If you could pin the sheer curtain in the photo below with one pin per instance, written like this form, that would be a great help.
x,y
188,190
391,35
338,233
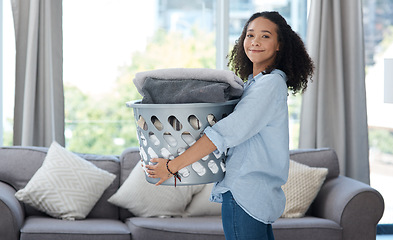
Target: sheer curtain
x,y
334,106
39,98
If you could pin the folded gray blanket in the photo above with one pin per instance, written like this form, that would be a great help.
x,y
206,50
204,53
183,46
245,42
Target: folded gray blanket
x,y
188,85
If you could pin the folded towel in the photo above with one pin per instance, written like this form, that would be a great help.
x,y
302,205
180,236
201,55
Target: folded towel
x,y
188,85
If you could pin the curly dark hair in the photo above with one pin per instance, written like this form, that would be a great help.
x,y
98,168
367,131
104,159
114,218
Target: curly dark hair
x,y
292,58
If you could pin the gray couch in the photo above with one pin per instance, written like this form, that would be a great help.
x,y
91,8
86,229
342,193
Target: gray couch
x,y
343,209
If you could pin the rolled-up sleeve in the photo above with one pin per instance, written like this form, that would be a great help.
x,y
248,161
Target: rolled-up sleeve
x,y
217,140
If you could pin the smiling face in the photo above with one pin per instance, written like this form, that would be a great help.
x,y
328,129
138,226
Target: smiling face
x,y
261,44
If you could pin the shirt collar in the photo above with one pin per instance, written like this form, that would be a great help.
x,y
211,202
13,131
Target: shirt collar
x,y
252,79
249,81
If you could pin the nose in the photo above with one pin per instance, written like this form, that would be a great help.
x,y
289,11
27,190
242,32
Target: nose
x,y
255,42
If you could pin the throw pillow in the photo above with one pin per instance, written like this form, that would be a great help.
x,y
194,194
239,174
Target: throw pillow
x,y
65,186
200,204
144,199
302,187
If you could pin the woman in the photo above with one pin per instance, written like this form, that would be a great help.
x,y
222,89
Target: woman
x,y
255,136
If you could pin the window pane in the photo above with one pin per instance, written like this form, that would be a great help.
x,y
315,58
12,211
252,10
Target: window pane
x,y
8,73
378,37
106,43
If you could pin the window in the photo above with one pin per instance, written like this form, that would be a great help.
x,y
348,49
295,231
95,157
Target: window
x,y
378,37
8,77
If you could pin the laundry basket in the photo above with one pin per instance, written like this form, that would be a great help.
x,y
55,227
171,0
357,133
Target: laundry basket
x,y
167,130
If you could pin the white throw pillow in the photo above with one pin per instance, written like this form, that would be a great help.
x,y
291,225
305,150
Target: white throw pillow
x,y
302,187
65,186
144,199
200,204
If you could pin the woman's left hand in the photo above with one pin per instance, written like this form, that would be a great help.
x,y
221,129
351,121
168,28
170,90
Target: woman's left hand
x,y
158,170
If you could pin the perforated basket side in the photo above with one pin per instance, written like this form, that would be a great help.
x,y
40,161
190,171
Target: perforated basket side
x,y
167,130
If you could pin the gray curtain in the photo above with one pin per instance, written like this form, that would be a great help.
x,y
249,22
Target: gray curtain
x,y
334,106
39,97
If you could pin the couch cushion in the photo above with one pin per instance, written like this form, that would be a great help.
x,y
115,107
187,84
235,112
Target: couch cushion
x,y
200,204
46,228
66,185
147,200
321,158
307,228
110,163
206,228
18,164
128,159
302,187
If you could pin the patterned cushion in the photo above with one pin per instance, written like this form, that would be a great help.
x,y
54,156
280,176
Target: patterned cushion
x,y
200,204
301,188
65,186
144,199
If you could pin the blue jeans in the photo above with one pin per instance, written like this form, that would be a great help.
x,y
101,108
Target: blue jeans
x,y
238,225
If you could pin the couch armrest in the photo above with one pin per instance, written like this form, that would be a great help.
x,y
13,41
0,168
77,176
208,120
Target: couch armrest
x,y
12,214
355,206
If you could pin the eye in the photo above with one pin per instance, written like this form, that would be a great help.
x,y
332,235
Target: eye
x,y
249,35
265,36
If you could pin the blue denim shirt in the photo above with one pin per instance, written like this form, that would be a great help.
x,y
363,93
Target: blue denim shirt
x,y
256,136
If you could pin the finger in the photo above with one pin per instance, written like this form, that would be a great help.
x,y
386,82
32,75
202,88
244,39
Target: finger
x,y
154,160
151,167
161,181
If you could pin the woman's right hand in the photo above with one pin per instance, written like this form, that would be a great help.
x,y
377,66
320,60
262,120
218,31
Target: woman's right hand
x,y
158,170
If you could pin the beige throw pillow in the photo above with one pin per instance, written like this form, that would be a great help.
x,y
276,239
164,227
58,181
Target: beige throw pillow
x,y
65,186
144,199
302,187
200,204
